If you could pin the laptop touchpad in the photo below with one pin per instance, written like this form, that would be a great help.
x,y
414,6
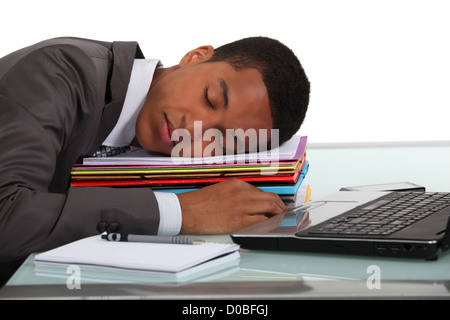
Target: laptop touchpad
x,y
329,210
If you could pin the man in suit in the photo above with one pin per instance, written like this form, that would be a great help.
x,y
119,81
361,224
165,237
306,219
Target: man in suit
x,y
61,99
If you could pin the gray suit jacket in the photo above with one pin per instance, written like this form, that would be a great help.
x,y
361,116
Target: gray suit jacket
x,y
59,99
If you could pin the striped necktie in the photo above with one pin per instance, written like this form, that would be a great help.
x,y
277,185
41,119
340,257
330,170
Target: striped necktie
x,y
107,151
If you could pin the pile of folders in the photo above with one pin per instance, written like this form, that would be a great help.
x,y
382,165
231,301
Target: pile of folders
x,y
281,170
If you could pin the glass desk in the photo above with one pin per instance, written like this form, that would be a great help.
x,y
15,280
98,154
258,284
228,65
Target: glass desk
x,y
284,275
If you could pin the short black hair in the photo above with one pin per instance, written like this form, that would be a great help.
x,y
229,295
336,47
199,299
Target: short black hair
x,y
287,85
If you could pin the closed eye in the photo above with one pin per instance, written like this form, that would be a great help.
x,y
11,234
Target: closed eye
x,y
208,102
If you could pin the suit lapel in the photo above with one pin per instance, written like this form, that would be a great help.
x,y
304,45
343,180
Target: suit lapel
x,y
123,55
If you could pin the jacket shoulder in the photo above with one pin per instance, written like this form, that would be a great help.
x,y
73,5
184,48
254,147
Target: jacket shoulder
x,y
93,47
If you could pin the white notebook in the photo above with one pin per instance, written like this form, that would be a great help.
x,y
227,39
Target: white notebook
x,y
175,259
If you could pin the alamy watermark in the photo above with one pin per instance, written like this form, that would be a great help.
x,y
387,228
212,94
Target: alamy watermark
x,y
74,279
235,146
374,280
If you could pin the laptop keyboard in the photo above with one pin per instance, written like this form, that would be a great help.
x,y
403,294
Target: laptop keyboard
x,y
387,215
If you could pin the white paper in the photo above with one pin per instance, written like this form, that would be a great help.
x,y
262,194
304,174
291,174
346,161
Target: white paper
x,y
139,156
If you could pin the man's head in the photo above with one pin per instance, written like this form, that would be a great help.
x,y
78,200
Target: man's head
x,y
286,82
254,83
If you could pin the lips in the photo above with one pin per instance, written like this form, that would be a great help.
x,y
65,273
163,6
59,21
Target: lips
x,y
171,127
166,130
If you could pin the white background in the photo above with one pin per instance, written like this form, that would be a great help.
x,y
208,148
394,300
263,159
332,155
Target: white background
x,y
380,70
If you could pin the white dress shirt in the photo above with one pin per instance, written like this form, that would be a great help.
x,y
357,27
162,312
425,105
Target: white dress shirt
x,y
124,132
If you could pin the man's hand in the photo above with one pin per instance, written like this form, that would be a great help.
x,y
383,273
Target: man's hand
x,y
226,207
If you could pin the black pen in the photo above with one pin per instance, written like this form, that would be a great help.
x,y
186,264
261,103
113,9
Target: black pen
x,y
150,239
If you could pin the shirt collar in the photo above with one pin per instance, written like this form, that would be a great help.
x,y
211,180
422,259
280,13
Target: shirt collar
x,y
141,77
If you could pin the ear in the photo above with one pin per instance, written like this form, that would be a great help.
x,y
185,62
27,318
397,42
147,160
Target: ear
x,y
198,55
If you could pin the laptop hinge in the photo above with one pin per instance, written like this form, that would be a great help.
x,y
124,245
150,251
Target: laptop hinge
x,y
446,240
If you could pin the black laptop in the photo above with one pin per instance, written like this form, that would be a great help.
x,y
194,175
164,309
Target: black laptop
x,y
387,224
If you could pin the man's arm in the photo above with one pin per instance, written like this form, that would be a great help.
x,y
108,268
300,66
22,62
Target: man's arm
x,y
46,107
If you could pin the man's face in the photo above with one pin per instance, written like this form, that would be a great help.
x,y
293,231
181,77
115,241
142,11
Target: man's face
x,y
213,93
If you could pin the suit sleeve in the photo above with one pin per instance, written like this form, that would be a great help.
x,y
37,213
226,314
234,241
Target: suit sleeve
x,y
38,113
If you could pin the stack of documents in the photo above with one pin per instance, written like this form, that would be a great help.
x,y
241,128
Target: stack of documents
x,y
281,170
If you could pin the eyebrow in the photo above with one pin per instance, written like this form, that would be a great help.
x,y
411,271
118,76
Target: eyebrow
x,y
224,89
